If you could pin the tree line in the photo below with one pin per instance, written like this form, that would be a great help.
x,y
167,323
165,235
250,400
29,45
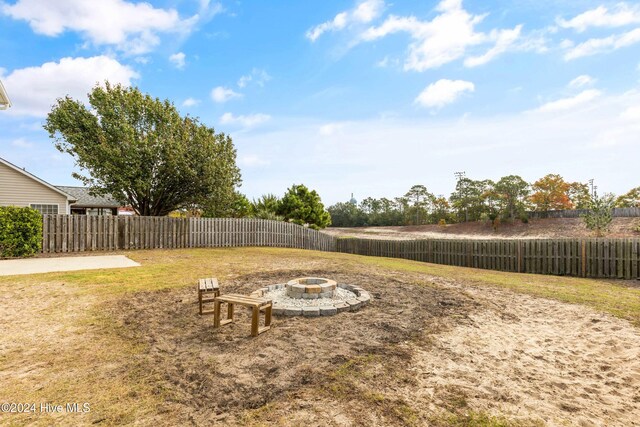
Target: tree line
x,y
509,198
142,152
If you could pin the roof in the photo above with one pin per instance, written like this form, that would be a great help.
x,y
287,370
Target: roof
x,y
86,200
5,102
69,197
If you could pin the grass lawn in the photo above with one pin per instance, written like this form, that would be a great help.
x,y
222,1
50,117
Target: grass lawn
x,y
130,343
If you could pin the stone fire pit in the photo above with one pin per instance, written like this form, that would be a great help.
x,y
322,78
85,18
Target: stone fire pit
x,y
311,288
313,296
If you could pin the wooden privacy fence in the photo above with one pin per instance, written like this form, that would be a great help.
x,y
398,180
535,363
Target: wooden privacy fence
x,y
79,233
603,258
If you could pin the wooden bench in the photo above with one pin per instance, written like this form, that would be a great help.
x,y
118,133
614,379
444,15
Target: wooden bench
x,y
207,287
256,305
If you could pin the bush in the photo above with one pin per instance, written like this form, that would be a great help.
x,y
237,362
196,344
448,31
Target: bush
x,y
598,218
20,231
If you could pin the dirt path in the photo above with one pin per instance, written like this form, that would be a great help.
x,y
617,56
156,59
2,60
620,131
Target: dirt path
x,y
532,358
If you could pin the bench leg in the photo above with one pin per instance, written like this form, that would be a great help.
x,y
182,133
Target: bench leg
x,y
229,311
200,301
267,315
254,321
216,314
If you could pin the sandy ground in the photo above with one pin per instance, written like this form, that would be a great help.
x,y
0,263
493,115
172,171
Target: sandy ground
x,y
532,360
551,228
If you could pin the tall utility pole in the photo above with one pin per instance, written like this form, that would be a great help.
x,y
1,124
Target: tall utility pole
x,y
593,188
459,176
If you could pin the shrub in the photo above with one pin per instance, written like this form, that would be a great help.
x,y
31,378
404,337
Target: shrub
x,y
20,231
598,218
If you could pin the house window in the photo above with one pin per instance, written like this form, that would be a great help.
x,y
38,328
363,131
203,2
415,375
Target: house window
x,y
45,209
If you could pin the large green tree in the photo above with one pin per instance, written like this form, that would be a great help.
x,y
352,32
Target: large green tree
x,y
143,152
303,206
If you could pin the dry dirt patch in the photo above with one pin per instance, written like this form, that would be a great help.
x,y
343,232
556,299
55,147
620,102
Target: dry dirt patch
x,y
419,355
537,359
217,375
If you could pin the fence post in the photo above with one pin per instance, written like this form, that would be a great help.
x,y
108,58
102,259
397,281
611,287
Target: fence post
x,y
583,258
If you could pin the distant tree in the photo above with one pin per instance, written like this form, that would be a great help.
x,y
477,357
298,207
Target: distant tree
x,y
579,195
301,206
599,217
440,210
371,208
239,207
471,199
420,200
630,199
512,192
551,192
346,214
142,152
266,207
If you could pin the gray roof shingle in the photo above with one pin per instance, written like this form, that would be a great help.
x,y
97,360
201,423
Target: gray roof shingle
x,y
86,200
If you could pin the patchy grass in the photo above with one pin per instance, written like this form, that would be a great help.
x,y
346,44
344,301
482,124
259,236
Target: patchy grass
x,y
77,337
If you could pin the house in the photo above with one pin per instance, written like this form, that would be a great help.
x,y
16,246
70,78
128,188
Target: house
x,y
20,188
86,204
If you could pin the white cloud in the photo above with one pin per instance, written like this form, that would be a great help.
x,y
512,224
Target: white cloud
x,y
571,102
252,160
130,27
222,94
445,38
34,90
485,146
257,76
631,114
330,129
177,59
622,15
190,102
364,12
443,92
504,40
602,45
247,121
21,143
582,80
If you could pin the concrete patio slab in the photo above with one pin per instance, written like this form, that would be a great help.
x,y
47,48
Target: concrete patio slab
x,y
48,265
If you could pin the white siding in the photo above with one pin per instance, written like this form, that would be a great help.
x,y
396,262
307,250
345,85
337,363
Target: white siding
x,y
17,189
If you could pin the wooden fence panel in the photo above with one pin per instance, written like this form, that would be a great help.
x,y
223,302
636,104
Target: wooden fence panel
x,y
604,258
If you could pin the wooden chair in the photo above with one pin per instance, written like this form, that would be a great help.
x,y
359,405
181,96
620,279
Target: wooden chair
x,y
207,287
256,304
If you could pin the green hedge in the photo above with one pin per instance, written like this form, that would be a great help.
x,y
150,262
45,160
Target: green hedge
x,y
20,231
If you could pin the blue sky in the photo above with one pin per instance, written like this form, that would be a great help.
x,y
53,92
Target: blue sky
x,y
366,97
